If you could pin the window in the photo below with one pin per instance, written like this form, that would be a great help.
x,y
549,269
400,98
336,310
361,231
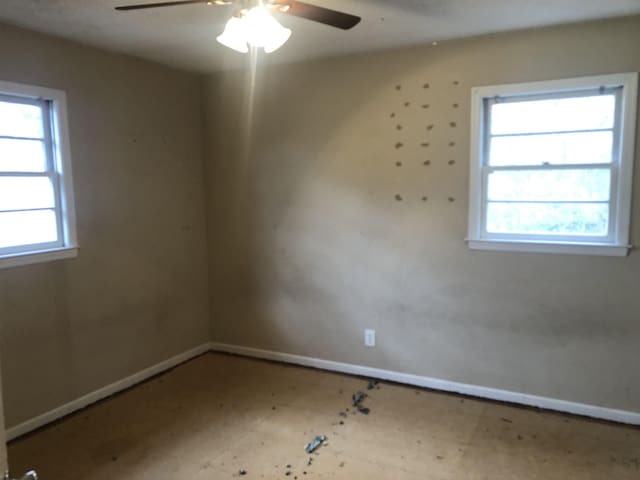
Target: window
x,y
37,218
551,165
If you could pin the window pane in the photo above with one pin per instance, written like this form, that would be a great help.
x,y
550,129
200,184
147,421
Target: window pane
x,y
23,193
548,219
27,228
20,120
555,149
550,185
553,115
22,156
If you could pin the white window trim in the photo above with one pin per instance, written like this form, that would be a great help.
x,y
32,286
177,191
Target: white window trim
x,y
62,154
619,244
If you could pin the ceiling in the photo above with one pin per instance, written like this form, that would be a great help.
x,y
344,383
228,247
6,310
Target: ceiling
x,y
184,36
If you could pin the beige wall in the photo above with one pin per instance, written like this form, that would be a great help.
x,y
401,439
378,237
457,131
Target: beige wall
x,y
136,294
309,245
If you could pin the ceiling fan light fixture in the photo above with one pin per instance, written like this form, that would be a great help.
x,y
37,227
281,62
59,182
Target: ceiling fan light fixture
x,y
234,35
262,30
277,39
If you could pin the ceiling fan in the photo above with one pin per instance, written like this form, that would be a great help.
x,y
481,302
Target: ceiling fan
x,y
252,24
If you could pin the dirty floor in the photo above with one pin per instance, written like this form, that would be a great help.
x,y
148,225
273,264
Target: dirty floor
x,y
219,414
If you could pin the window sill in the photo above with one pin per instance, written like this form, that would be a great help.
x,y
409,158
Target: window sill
x,y
545,247
28,258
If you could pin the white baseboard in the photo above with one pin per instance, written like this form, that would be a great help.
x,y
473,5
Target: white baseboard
x,y
602,413
104,392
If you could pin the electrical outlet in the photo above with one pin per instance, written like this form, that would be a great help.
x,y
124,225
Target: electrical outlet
x,y
370,337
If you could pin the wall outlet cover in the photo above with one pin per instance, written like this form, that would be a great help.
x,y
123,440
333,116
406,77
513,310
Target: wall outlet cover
x,y
370,337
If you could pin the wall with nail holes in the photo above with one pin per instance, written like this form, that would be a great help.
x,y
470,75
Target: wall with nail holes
x,y
343,206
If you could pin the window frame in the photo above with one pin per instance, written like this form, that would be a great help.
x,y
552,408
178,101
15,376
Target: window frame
x,y
58,161
616,243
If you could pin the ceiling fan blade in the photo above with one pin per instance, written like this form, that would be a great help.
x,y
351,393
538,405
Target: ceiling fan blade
x,y
327,16
161,4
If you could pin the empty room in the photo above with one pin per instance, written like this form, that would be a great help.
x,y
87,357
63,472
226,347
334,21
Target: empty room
x,y
330,239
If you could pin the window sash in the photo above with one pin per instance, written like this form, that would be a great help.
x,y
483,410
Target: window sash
x,y
51,172
612,202
489,102
613,166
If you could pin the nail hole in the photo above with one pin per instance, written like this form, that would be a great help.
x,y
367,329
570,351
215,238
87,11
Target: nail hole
x,y
429,127
426,105
398,127
427,162
425,144
456,82
398,87
425,198
455,105
398,164
451,144
406,104
426,85
399,145
451,162
451,199
453,124
398,198
392,115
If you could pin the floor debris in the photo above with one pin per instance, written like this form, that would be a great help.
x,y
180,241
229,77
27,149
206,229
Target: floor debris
x,y
242,472
314,444
357,399
372,384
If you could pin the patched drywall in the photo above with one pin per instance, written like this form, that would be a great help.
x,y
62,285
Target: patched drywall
x,y
136,294
340,204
